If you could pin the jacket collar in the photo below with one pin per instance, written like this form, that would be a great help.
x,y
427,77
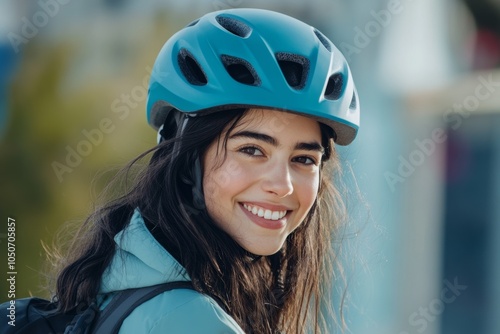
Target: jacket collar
x,y
139,260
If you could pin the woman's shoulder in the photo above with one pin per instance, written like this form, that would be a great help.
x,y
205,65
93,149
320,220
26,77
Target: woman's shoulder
x,y
179,311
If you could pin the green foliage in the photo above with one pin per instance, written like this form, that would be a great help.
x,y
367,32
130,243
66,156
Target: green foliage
x,y
50,106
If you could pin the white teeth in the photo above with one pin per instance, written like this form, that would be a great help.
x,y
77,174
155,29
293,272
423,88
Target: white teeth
x,y
260,213
266,214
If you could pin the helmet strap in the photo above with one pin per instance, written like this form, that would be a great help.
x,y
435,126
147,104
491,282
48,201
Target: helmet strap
x,y
170,127
197,189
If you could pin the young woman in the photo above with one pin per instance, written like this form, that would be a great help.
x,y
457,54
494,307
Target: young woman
x,y
237,197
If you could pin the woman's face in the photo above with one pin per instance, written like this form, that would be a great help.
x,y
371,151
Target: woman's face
x,y
262,185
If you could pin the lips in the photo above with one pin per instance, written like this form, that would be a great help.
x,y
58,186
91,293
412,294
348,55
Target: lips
x,y
277,215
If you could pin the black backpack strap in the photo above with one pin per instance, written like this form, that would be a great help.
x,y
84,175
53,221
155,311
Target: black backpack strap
x,y
120,307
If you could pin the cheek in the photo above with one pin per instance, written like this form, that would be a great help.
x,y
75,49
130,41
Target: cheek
x,y
223,183
212,192
222,180
307,191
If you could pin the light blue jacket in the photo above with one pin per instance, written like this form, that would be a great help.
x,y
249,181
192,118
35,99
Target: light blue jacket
x,y
141,261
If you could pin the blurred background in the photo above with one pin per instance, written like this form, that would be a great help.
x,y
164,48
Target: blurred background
x,y
422,250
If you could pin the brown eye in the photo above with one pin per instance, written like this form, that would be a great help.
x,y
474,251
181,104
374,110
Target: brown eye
x,y
305,160
251,150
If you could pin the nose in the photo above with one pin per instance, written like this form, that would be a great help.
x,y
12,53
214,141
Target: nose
x,y
278,179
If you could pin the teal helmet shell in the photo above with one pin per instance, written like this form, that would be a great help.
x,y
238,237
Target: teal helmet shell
x,y
254,58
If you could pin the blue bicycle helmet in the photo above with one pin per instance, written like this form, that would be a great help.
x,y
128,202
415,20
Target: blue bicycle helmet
x,y
254,58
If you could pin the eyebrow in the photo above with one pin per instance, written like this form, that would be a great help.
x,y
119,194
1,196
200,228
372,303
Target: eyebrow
x,y
307,146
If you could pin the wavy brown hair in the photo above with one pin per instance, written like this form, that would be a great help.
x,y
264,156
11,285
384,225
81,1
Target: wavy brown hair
x,y
291,283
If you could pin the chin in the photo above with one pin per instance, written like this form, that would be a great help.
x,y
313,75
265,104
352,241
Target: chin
x,y
263,250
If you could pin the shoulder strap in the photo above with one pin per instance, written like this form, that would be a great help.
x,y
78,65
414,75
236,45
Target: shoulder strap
x,y
112,317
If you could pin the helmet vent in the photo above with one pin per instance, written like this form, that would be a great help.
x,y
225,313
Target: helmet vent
x,y
323,40
295,69
240,70
234,26
191,69
354,101
334,87
193,23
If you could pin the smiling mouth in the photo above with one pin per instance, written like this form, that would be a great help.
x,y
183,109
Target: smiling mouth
x,y
265,213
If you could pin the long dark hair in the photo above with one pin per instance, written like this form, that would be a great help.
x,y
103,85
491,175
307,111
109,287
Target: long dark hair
x,y
264,294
